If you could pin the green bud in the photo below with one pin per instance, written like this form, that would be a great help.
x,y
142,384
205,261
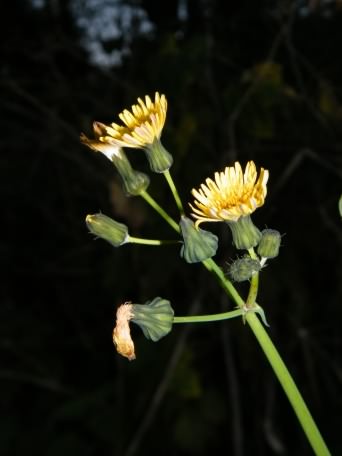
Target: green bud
x,y
155,318
134,182
269,244
199,245
245,234
159,158
108,229
243,269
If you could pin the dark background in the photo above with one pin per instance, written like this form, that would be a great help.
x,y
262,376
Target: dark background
x,y
245,81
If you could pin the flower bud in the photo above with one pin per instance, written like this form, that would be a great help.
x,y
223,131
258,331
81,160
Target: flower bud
x,y
199,245
108,229
160,160
134,182
243,268
269,243
245,234
155,318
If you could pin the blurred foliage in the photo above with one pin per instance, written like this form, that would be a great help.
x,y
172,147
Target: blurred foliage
x,y
244,80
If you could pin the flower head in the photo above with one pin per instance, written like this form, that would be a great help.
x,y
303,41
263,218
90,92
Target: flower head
x,y
134,182
99,144
122,333
142,126
155,318
142,129
232,195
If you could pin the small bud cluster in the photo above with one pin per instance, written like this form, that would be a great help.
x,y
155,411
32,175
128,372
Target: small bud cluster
x,y
244,268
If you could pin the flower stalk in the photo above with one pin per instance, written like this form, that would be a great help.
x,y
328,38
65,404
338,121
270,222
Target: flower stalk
x,y
174,191
294,396
289,386
231,197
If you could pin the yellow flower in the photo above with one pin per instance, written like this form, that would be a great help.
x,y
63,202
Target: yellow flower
x,y
100,144
142,126
142,129
232,195
134,182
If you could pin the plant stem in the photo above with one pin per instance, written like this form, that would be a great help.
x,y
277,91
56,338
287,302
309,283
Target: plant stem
x,y
296,400
135,240
211,317
224,282
160,210
174,191
254,285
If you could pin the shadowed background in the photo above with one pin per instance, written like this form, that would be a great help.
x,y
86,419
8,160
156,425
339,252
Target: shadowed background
x,y
249,81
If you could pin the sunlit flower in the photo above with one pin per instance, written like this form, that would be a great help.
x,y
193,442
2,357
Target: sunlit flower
x,y
142,129
142,126
99,144
122,333
232,195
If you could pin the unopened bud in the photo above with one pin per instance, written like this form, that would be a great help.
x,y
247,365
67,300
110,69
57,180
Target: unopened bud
x,y
199,245
243,269
269,243
108,229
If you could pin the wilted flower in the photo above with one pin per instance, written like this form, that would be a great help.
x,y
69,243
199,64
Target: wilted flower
x,y
122,333
155,318
232,195
134,182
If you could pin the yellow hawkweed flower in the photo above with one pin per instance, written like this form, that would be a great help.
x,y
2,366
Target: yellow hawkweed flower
x,y
142,129
232,195
142,126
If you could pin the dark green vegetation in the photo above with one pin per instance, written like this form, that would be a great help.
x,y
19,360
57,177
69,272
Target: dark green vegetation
x,y
245,81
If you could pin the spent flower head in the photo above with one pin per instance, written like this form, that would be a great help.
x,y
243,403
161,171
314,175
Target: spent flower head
x,y
155,318
122,334
233,194
134,182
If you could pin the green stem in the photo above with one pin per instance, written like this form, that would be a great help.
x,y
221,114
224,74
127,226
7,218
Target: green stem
x,y
296,400
160,210
212,317
254,285
277,364
224,282
174,191
135,240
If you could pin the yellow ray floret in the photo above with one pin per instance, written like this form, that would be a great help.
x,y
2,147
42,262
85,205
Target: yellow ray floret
x,y
141,127
231,195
